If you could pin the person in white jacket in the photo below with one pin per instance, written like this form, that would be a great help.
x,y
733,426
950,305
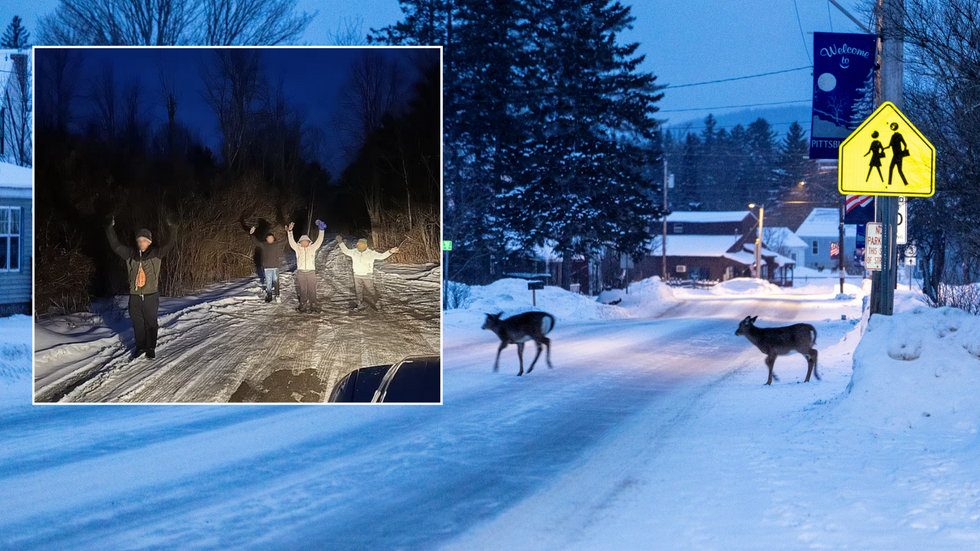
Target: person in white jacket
x,y
306,266
363,259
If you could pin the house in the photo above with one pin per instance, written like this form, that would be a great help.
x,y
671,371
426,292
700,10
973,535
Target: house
x,y
819,231
15,239
712,246
783,241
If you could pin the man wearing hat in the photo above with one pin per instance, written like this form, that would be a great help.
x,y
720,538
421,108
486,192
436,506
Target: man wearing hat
x,y
271,259
363,259
143,265
306,266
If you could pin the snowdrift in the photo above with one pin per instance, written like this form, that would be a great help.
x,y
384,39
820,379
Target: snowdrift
x,y
745,286
15,349
511,296
919,372
647,298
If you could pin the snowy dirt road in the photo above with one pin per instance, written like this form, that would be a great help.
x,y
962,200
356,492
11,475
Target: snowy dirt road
x,y
657,426
229,345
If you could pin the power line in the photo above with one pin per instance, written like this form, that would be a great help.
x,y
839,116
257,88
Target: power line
x,y
737,78
802,34
830,17
733,106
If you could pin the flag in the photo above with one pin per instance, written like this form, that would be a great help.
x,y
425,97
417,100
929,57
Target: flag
x,y
859,209
834,249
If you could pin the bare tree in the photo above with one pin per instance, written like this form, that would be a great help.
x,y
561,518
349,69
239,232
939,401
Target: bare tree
x,y
103,95
374,89
58,72
19,106
172,22
233,89
350,32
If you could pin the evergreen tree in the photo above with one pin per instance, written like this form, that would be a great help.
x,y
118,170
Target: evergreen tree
x,y
793,152
862,108
16,36
762,160
688,181
591,128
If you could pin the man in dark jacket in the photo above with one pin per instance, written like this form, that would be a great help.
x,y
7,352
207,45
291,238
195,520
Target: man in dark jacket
x,y
271,259
143,265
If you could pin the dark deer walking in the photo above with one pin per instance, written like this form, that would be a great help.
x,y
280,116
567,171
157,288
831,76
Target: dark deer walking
x,y
779,341
518,330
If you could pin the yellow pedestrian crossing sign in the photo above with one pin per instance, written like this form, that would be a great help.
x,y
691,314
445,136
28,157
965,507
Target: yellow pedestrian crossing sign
x,y
887,155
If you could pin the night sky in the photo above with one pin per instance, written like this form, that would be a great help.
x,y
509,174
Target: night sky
x,y
312,80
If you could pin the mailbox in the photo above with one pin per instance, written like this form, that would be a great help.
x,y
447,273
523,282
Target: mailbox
x,y
535,285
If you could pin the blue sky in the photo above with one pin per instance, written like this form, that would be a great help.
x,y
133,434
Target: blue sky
x,y
685,41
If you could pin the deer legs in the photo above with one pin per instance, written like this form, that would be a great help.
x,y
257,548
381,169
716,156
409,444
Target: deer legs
x,y
520,358
811,364
770,361
496,363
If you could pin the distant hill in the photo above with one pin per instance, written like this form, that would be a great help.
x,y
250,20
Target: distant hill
x,y
779,117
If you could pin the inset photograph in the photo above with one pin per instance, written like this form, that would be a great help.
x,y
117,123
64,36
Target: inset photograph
x,y
221,225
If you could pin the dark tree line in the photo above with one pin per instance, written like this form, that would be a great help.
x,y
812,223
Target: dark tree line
x,y
550,133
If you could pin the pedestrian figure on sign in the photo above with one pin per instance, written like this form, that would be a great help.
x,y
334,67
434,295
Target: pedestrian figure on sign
x,y
899,151
362,260
143,266
877,152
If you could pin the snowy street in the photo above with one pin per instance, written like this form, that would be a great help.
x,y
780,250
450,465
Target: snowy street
x,y
647,431
227,344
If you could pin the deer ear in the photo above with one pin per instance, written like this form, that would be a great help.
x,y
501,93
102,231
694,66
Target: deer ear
x,y
753,319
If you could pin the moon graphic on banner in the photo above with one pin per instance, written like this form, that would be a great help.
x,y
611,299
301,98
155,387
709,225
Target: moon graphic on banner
x,y
827,82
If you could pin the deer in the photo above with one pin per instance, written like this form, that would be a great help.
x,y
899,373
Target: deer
x,y
779,341
518,330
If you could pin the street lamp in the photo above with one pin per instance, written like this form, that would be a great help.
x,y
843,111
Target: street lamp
x,y
758,243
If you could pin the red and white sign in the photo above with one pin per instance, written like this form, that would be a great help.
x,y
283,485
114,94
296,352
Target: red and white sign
x,y
872,250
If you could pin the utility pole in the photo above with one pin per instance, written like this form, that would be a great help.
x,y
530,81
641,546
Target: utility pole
x,y
891,15
663,244
758,243
840,245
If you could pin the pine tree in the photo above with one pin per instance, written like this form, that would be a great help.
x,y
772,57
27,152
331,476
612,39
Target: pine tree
x,y
762,163
862,108
16,36
592,128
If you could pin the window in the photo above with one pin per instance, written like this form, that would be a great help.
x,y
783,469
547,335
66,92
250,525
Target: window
x,y
816,247
793,255
678,228
10,239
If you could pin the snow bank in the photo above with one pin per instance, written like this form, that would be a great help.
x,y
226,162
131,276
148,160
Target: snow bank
x,y
919,372
647,298
15,349
511,296
745,286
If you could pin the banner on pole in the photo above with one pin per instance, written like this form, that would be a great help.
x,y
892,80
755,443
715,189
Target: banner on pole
x,y
843,89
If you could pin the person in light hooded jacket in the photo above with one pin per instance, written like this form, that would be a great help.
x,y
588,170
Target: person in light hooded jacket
x,y
362,259
306,250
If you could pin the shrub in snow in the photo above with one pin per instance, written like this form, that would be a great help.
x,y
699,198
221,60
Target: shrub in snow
x,y
964,297
456,294
647,298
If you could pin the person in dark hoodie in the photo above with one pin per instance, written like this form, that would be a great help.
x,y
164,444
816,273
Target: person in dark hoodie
x,y
143,265
271,259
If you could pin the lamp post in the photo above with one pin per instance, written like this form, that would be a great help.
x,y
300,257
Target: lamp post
x,y
758,243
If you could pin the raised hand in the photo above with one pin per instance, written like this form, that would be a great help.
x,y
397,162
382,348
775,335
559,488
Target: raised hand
x,y
290,226
111,219
339,238
320,224
394,250
251,231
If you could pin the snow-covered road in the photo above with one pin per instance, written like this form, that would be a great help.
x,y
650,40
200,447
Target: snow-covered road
x,y
229,345
648,432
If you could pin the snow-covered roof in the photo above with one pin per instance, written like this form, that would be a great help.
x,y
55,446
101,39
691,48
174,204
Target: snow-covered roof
x,y
782,237
704,217
15,176
741,257
696,245
822,222
779,259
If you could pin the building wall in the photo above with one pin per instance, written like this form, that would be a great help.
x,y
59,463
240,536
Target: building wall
x,y
706,267
822,258
15,287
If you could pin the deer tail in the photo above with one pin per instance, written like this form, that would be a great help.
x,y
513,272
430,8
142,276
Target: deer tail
x,y
547,324
813,330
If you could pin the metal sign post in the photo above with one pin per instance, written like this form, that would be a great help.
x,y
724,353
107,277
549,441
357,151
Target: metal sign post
x,y
533,286
446,247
